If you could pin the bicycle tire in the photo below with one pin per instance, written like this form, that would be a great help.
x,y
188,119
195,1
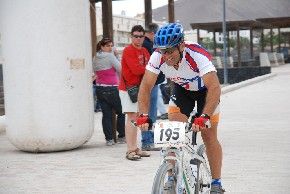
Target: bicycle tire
x,y
157,187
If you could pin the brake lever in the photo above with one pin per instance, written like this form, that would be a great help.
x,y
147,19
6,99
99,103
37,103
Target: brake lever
x,y
191,118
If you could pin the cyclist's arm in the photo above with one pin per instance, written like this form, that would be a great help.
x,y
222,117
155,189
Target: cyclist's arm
x,y
146,86
212,84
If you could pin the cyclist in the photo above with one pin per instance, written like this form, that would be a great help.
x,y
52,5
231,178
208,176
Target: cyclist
x,y
195,79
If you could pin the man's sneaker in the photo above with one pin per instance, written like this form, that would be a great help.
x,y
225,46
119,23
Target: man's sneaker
x,y
110,142
121,140
216,189
150,148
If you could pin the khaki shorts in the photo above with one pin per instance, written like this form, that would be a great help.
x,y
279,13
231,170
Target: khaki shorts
x,y
127,105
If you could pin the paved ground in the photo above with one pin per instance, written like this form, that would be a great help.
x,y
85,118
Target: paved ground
x,y
254,132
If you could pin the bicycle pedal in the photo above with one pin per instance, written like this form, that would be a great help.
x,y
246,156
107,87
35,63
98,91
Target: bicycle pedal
x,y
194,161
205,185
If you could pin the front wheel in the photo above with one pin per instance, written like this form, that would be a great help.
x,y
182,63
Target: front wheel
x,y
161,177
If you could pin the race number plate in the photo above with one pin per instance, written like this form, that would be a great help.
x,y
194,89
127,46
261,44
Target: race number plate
x,y
169,134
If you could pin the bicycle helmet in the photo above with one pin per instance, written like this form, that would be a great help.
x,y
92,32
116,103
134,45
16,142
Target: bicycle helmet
x,y
168,36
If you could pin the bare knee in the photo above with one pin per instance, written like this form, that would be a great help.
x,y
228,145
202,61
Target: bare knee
x,y
209,136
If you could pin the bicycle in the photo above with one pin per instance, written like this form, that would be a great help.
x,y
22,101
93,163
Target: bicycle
x,y
190,167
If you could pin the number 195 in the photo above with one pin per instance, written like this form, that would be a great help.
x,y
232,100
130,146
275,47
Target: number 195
x,y
169,133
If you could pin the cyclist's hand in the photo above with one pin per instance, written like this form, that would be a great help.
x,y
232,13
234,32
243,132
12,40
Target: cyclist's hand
x,y
143,122
201,123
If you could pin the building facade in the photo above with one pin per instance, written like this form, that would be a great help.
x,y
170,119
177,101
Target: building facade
x,y
122,25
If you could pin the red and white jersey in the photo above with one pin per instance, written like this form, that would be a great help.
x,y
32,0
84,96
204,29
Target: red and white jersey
x,y
196,62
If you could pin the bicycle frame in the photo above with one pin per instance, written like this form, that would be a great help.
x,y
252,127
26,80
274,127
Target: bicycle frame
x,y
186,179
179,159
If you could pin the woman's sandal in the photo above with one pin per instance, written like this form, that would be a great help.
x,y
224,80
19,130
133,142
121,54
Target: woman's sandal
x,y
132,155
142,153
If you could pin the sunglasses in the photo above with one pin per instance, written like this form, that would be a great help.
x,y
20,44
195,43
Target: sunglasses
x,y
138,36
168,50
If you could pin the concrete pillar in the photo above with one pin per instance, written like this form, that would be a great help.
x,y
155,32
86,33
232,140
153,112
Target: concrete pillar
x,y
264,59
46,46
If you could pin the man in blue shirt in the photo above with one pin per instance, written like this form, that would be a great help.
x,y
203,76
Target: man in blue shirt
x,y
147,136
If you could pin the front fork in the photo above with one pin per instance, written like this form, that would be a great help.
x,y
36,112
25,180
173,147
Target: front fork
x,y
173,157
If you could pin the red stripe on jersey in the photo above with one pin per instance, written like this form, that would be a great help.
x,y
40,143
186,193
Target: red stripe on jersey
x,y
162,59
200,50
191,61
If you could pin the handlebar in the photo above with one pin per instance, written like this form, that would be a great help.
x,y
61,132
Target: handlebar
x,y
191,118
188,127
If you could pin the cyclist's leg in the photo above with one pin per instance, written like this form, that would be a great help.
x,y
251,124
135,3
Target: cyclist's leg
x,y
214,155
213,150
209,136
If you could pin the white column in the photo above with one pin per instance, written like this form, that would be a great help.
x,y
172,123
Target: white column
x,y
47,73
264,59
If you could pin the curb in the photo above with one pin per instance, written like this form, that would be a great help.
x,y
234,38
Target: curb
x,y
232,87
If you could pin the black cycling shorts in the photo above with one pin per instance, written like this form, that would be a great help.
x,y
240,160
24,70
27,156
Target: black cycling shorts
x,y
185,99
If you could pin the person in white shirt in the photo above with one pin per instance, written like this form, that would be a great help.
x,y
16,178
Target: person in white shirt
x,y
195,79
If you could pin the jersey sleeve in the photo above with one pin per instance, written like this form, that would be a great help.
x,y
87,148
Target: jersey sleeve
x,y
204,64
154,63
116,63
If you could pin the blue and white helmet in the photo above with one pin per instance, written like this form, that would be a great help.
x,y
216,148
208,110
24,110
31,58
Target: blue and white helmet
x,y
168,36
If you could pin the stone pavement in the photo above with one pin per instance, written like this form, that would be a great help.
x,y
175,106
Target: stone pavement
x,y
254,132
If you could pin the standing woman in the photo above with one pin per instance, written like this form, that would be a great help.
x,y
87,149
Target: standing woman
x,y
107,69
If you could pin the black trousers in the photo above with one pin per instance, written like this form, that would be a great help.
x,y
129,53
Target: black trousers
x,y
110,100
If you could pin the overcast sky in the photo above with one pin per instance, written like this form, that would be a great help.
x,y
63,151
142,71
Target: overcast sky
x,y
133,7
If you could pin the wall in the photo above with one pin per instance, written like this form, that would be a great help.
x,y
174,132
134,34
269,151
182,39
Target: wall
x,y
238,74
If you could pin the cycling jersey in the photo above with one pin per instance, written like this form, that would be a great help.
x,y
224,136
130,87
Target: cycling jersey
x,y
196,62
